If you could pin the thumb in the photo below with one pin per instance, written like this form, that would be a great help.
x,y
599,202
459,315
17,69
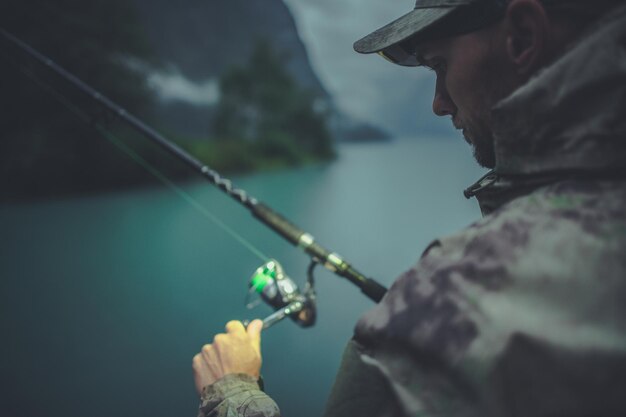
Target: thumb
x,y
254,332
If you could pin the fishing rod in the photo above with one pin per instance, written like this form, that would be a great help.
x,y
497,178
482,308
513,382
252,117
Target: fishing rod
x,y
269,281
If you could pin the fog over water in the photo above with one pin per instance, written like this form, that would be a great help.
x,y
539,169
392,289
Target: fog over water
x,y
366,86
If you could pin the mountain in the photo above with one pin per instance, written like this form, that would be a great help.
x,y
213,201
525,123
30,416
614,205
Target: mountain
x,y
203,38
196,41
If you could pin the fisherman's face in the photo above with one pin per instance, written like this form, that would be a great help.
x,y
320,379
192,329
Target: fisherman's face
x,y
471,78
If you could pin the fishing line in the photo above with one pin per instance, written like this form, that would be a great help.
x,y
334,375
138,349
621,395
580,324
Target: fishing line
x,y
120,145
332,261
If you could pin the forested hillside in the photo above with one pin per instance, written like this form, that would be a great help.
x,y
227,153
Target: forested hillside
x,y
269,110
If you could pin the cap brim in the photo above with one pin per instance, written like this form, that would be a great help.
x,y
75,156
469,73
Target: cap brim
x,y
411,24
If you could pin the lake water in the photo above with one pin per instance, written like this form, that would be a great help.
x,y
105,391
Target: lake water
x,y
104,300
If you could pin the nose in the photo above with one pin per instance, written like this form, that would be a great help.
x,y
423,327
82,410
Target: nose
x,y
442,103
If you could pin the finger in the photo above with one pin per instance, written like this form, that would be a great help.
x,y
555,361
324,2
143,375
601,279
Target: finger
x,y
254,332
211,360
235,326
201,374
197,362
208,353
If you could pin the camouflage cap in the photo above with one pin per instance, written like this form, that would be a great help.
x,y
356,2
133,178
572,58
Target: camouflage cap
x,y
429,19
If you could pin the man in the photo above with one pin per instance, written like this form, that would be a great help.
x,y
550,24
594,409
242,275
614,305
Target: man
x,y
523,313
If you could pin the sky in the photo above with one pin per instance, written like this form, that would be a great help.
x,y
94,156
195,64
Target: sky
x,y
365,86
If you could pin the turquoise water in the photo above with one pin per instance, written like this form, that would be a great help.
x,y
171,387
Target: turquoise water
x,y
104,300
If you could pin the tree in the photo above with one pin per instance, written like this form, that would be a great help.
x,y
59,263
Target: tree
x,y
263,105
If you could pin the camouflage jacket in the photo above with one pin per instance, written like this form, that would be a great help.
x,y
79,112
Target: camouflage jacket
x,y
524,312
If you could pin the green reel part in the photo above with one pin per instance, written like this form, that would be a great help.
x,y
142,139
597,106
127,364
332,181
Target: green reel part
x,y
282,294
264,275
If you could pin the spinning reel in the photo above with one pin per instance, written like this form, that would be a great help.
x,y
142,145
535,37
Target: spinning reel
x,y
281,292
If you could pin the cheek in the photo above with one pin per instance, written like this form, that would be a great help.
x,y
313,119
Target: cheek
x,y
463,91
467,79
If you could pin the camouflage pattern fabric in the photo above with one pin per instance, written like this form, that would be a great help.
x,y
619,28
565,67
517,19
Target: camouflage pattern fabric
x,y
524,312
236,395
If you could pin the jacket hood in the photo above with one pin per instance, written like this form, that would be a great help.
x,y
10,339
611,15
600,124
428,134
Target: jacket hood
x,y
572,115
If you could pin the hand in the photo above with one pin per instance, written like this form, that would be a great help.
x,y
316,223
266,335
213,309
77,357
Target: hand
x,y
238,351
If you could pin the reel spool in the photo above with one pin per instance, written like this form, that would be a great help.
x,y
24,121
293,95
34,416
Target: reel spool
x,y
281,292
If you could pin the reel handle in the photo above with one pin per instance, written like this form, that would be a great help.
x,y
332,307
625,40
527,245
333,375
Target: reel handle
x,y
279,314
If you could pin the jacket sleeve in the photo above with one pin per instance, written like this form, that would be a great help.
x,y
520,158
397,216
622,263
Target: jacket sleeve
x,y
360,389
236,395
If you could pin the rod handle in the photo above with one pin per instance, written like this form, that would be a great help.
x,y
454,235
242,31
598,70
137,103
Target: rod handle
x,y
373,289
277,222
331,261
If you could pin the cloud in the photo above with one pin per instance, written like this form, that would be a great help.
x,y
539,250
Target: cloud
x,y
173,86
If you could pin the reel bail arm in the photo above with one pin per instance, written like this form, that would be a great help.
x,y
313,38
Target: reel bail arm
x,y
282,293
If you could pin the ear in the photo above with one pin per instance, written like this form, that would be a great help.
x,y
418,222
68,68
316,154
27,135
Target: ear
x,y
527,35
